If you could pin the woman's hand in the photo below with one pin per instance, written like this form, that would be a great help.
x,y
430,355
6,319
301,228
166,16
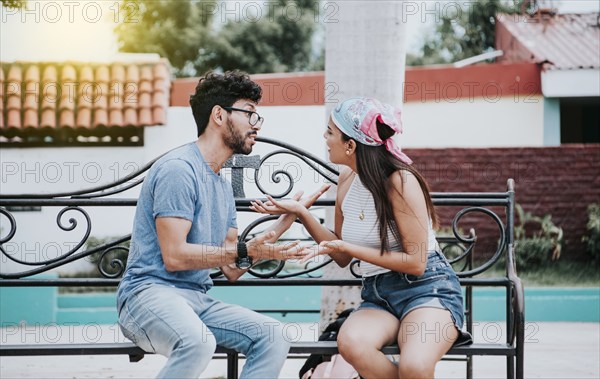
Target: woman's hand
x,y
310,200
289,206
260,249
324,248
275,207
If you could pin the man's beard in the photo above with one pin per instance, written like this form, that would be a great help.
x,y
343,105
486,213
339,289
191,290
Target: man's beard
x,y
236,141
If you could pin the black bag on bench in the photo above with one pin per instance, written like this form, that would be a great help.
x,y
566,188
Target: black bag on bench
x,y
329,334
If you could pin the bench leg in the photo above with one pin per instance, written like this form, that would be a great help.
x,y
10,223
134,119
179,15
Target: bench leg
x,y
469,367
135,357
232,365
520,369
510,367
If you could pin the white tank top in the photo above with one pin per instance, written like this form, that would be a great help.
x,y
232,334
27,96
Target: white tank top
x,y
361,226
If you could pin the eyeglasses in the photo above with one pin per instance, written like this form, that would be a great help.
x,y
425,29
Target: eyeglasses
x,y
253,118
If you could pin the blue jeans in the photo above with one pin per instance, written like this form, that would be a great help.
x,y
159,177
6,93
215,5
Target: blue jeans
x,y
186,326
399,293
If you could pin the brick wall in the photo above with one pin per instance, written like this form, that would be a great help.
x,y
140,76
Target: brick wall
x,y
561,181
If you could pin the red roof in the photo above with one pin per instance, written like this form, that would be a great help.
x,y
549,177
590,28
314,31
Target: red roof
x,y
559,41
81,99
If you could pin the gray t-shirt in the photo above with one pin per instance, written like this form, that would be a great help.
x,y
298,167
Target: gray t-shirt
x,y
181,184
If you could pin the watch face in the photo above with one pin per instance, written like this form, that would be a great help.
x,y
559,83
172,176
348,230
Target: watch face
x,y
243,263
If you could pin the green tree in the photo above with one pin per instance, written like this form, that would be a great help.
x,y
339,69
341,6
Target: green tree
x,y
465,32
13,3
277,40
174,29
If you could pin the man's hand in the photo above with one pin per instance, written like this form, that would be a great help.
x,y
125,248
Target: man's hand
x,y
260,249
324,248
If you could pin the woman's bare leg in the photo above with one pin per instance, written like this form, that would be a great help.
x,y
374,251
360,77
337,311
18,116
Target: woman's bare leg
x,y
425,335
361,338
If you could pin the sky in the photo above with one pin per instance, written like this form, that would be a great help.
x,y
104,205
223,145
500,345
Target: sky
x,y
82,30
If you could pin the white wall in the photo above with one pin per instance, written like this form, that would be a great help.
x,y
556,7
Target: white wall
x,y
473,123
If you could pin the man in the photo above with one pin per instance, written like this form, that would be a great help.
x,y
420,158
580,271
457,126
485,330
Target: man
x,y
185,224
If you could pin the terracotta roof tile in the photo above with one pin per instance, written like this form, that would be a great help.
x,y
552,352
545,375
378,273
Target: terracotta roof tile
x,y
31,100
14,79
66,103
70,75
13,118
146,74
145,116
86,75
159,99
145,100
116,117
50,75
103,88
133,73
32,92
67,118
160,85
102,74
86,97
50,89
161,72
13,102
48,118
131,100
32,87
14,74
68,92
130,117
159,115
117,73
100,117
84,118
32,75
101,101
145,86
115,100
30,118
48,103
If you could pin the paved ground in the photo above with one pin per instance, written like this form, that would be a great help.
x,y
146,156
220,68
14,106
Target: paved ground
x,y
553,350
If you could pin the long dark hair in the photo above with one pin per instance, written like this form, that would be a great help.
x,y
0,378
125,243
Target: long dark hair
x,y
375,165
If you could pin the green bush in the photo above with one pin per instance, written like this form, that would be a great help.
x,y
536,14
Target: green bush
x,y
593,227
532,252
538,240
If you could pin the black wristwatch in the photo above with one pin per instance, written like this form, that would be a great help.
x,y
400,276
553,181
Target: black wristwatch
x,y
243,261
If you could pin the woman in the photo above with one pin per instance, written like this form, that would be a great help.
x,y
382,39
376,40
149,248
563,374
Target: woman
x,y
384,217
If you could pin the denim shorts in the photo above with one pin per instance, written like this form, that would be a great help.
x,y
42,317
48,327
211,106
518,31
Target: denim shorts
x,y
399,293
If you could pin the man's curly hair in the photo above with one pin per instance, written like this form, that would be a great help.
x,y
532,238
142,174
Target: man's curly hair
x,y
221,89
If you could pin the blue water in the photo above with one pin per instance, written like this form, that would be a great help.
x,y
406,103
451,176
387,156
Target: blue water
x,y
42,305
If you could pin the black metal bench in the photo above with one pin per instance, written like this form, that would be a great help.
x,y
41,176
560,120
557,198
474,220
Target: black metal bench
x,y
492,209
